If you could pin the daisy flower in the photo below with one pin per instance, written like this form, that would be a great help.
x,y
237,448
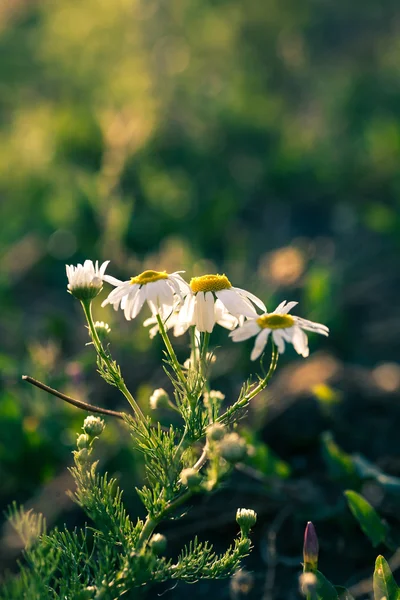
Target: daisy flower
x,y
212,298
158,288
173,320
284,328
85,281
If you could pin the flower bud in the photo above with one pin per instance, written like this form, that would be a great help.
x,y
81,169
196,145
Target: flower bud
x,y
310,548
191,478
82,456
213,397
216,432
83,441
308,584
103,330
93,426
159,399
246,518
158,543
233,448
241,583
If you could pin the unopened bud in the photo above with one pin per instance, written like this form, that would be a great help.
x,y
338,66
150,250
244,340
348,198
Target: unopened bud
x,y
158,543
159,399
103,330
233,448
308,584
216,432
191,478
246,518
213,397
82,441
93,426
241,583
82,456
310,548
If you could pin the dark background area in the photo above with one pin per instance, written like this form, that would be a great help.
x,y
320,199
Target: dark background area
x,y
260,139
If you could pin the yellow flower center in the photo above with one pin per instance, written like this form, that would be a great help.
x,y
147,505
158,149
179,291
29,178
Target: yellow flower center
x,y
149,277
210,283
275,321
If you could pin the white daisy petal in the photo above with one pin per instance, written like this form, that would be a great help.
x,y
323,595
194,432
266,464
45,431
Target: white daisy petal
x,y
248,330
261,341
235,303
288,307
300,342
209,316
252,297
278,340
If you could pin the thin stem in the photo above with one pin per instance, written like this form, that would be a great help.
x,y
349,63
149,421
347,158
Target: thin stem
x,y
193,344
247,397
151,523
119,382
73,401
170,350
203,356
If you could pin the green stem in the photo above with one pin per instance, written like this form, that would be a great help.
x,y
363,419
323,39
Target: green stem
x,y
170,350
192,331
151,523
203,356
119,382
262,384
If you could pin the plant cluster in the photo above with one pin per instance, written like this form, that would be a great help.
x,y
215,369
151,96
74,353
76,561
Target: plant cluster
x,y
115,556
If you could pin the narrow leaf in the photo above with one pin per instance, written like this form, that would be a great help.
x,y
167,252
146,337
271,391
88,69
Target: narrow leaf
x,y
384,583
325,590
342,593
369,520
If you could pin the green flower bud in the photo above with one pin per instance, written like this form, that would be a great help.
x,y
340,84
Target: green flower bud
x,y
93,426
159,399
233,448
216,432
310,548
246,518
83,441
103,330
158,543
82,456
191,478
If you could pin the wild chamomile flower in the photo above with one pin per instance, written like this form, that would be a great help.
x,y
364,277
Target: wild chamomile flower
x,y
158,288
85,281
174,321
212,298
170,318
284,328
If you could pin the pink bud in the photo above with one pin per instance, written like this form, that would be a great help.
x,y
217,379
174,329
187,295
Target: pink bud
x,y
310,548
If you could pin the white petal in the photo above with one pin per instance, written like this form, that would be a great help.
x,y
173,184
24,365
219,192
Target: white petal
x,y
199,311
113,280
245,332
252,297
288,307
311,326
209,316
235,303
300,342
103,268
261,341
279,309
187,311
278,340
137,303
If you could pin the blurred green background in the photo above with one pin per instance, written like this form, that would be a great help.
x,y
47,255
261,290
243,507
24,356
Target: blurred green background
x,y
260,139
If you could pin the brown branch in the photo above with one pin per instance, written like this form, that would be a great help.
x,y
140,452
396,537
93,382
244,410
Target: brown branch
x,y
77,403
